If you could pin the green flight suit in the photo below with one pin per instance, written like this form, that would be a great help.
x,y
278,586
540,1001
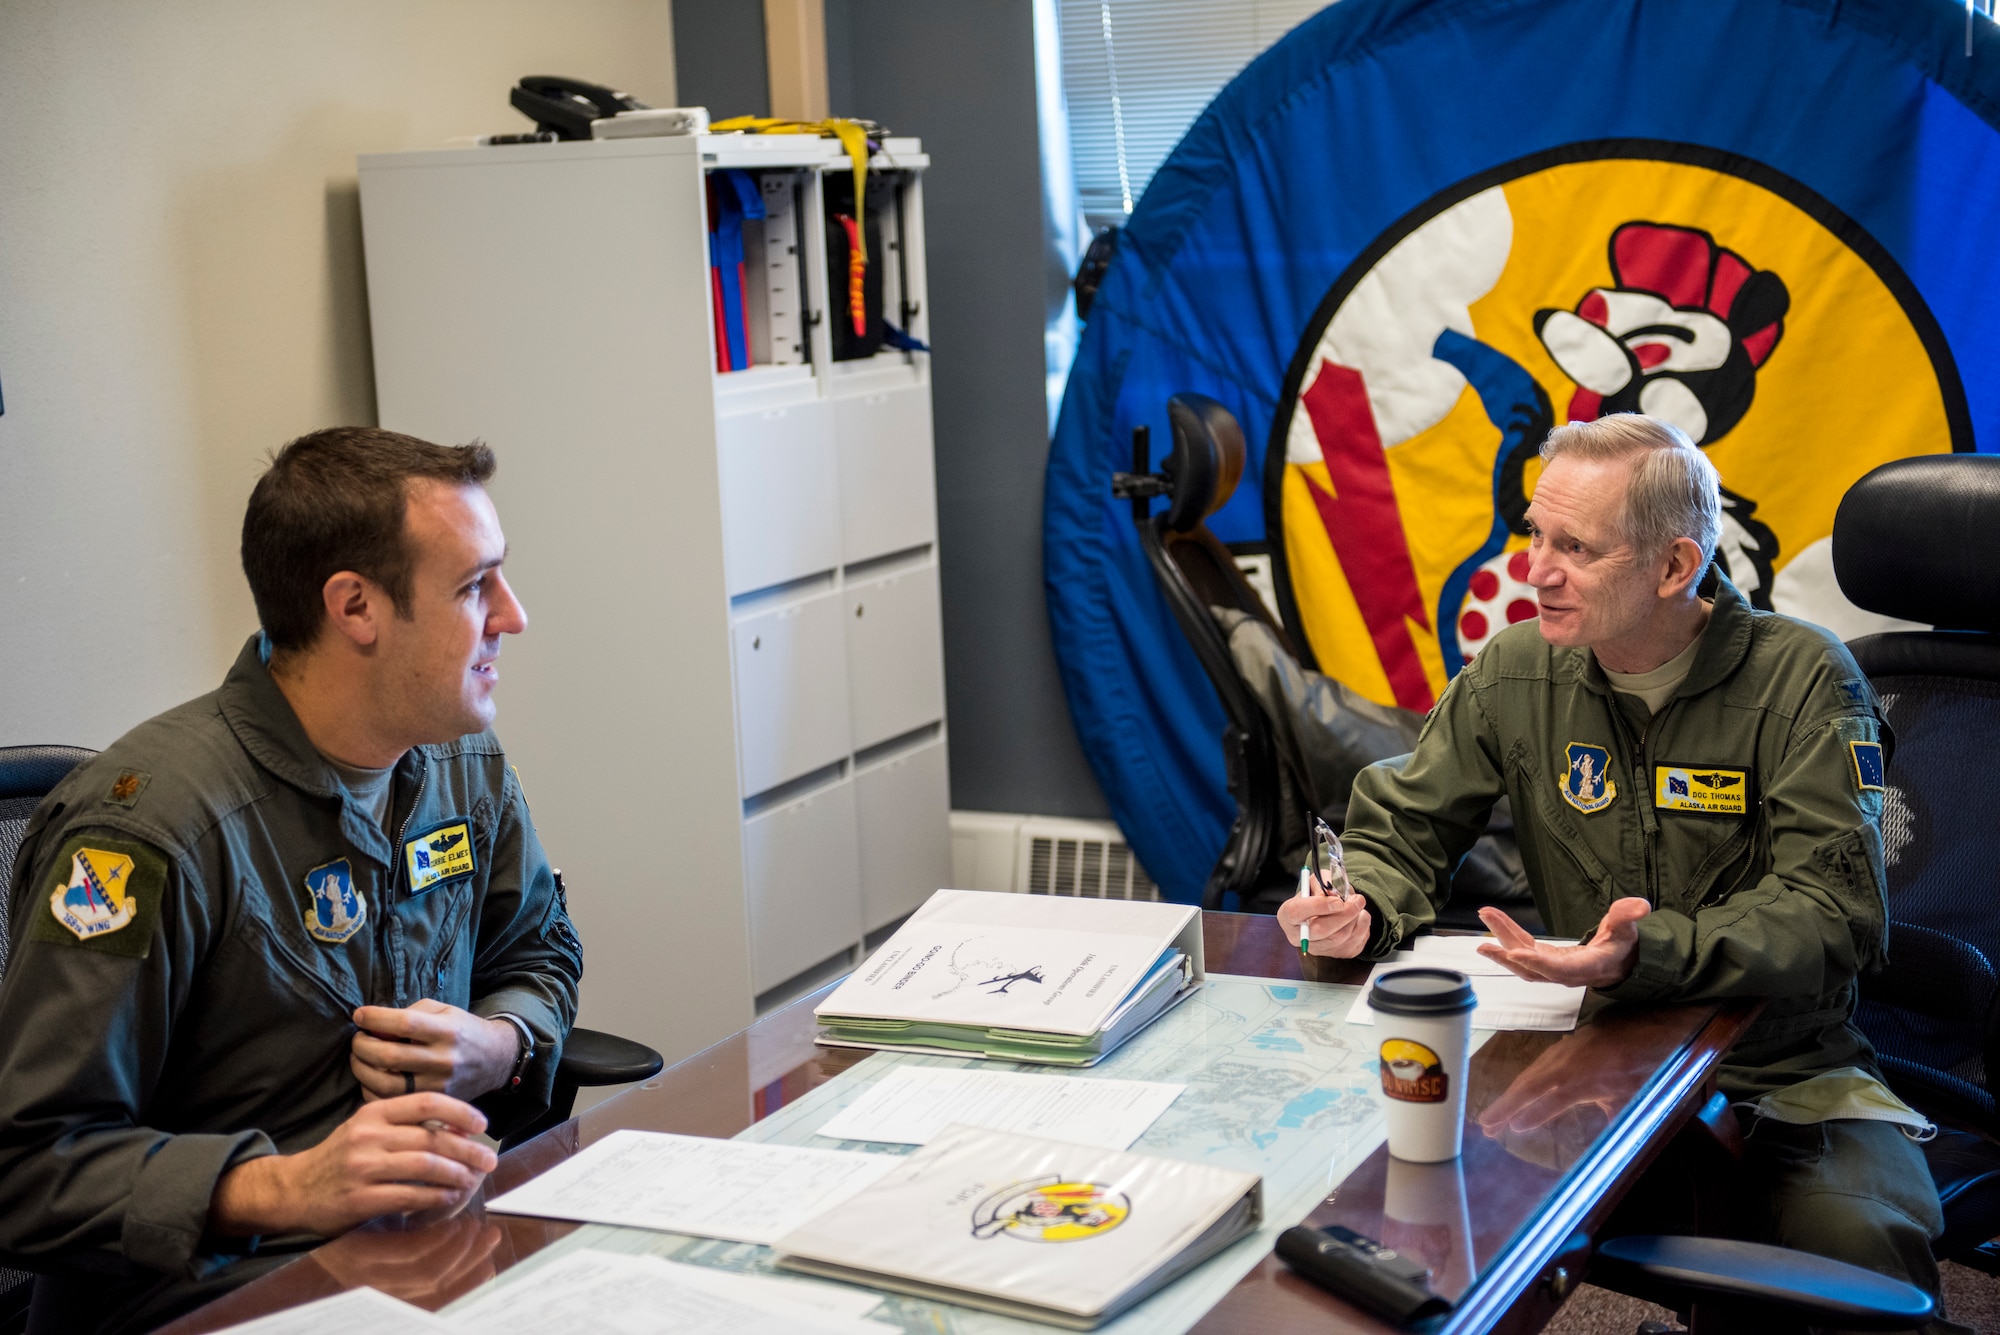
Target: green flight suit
x,y
154,1036
1775,890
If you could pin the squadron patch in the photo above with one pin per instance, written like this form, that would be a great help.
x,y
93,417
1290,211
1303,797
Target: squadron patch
x,y
1586,781
443,854
1869,774
108,886
1050,1209
1712,792
335,910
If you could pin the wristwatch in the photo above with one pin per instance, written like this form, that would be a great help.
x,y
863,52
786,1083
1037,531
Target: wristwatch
x,y
527,1053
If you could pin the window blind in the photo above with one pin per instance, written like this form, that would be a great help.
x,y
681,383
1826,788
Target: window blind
x,y
1136,73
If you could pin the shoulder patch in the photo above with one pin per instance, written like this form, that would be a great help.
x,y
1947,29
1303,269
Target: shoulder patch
x,y
105,896
125,789
1870,776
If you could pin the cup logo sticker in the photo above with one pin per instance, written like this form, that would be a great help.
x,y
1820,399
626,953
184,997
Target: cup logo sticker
x,y
1411,1072
1050,1209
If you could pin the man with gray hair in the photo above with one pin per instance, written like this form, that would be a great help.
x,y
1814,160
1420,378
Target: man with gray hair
x,y
1697,791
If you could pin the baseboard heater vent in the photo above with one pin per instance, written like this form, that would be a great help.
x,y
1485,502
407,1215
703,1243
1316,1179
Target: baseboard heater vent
x,y
1046,855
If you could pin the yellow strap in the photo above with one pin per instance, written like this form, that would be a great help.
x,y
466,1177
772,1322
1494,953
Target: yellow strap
x,y
851,136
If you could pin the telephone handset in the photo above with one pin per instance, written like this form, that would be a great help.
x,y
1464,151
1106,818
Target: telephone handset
x,y
566,107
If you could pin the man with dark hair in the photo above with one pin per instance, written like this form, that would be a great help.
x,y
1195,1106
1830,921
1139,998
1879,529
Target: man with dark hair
x,y
272,947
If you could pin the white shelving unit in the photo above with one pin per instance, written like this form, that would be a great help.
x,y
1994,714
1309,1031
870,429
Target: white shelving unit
x,y
728,710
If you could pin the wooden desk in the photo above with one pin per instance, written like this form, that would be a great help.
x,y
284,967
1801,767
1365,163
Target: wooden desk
x,y
1576,1117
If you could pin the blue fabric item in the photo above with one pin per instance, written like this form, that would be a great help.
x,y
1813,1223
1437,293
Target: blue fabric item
x,y
736,198
1362,114
901,341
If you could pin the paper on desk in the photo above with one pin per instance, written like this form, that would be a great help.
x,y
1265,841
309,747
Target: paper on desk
x,y
1506,1000
733,1189
356,1312
611,1293
913,1103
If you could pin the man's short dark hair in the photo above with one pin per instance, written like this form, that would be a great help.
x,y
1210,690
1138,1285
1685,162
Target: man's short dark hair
x,y
334,500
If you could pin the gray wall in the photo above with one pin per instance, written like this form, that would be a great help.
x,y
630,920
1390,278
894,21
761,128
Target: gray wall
x,y
719,57
181,291
962,76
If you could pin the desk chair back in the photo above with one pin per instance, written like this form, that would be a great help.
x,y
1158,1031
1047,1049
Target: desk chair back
x,y
27,774
1195,573
1919,540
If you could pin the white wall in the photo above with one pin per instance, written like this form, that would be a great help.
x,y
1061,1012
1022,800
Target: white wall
x,y
181,292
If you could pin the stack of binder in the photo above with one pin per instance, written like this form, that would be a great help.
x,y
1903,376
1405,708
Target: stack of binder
x,y
1024,978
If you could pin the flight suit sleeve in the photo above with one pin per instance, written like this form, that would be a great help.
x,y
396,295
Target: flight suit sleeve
x,y
527,959
94,980
1413,818
1818,917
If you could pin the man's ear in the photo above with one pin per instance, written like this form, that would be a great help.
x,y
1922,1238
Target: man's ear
x,y
355,606
1683,567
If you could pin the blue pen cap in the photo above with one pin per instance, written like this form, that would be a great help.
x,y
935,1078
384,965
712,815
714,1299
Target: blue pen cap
x,y
1421,992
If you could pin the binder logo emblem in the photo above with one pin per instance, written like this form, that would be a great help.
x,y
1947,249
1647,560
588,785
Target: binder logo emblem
x,y
1050,1209
1412,1073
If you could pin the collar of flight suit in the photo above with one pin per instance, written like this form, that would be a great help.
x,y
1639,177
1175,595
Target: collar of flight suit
x,y
269,731
1725,643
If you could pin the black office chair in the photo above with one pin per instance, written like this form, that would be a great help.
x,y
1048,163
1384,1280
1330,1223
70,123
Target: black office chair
x,y
1919,539
27,773
1195,572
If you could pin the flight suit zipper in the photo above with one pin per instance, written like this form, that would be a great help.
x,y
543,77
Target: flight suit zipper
x,y
384,937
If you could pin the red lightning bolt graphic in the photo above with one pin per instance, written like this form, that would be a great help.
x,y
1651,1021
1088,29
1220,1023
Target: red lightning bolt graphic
x,y
1365,527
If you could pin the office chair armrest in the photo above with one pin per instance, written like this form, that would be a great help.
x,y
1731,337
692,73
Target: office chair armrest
x,y
1673,1270
591,1057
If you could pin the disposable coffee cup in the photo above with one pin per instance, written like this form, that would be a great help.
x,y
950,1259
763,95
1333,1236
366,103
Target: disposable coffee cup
x,y
1425,1019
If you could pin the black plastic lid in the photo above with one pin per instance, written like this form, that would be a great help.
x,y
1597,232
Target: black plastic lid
x,y
1421,992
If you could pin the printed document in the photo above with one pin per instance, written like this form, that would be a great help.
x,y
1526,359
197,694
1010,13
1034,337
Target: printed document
x,y
611,1293
732,1189
912,1104
356,1312
1506,1000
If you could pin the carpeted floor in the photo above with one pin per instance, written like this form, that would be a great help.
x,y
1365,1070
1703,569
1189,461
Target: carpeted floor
x,y
1970,1298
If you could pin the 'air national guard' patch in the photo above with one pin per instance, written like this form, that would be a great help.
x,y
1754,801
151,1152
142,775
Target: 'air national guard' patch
x,y
1587,785
335,910
1869,775
443,854
1712,792
109,888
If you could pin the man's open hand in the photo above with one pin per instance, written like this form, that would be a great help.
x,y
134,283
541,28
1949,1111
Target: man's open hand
x,y
1339,927
1605,960
397,1156
431,1046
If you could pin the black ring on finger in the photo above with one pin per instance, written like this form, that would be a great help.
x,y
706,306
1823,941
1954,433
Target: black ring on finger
x,y
409,1082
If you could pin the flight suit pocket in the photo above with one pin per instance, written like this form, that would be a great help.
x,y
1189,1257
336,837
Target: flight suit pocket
x,y
1729,865
1850,863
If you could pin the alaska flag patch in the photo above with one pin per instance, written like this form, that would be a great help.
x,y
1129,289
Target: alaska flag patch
x,y
1869,774
443,854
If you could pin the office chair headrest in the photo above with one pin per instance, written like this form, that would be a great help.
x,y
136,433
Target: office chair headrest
x,y
1919,539
1207,459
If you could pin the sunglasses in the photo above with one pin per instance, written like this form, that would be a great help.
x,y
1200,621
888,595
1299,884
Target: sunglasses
x,y
1328,862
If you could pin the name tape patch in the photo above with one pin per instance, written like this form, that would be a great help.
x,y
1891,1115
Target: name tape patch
x,y
443,854
1712,792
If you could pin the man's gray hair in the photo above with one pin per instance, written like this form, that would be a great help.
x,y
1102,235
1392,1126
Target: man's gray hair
x,y
1674,490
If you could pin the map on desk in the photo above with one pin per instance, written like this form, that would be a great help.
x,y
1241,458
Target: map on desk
x,y
1277,1084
